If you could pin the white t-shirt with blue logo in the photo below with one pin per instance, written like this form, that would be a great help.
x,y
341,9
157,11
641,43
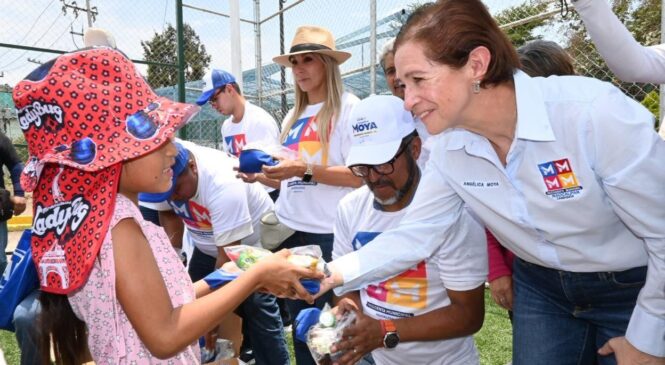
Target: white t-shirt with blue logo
x,y
310,206
459,264
256,126
224,208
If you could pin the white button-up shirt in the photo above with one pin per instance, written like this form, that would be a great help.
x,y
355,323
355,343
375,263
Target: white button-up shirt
x,y
583,190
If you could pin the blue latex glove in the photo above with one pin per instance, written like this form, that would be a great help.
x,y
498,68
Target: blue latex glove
x,y
311,285
218,278
304,321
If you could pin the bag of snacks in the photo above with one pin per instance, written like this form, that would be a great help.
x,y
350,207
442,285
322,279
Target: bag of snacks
x,y
327,332
305,256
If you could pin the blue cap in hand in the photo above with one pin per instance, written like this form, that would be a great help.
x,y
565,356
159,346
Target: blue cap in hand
x,y
251,161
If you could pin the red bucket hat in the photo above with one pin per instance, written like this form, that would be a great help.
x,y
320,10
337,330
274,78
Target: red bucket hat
x,y
83,114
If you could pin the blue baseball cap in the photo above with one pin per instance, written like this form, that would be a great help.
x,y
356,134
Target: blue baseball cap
x,y
213,81
181,160
251,160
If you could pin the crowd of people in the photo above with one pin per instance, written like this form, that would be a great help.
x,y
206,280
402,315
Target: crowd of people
x,y
486,164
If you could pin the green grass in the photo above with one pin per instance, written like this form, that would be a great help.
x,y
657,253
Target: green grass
x,y
9,347
494,341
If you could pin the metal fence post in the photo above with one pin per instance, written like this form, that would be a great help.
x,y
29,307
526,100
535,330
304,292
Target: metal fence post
x,y
662,86
181,60
372,46
236,47
282,70
257,50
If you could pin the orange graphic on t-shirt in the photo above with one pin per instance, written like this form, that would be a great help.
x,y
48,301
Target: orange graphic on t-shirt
x,y
408,289
304,138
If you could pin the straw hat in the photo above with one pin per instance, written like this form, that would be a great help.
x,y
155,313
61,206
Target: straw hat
x,y
314,39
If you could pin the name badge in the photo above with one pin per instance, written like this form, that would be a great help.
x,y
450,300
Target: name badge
x,y
481,184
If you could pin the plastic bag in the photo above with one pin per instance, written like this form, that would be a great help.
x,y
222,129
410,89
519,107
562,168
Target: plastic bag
x,y
245,256
327,332
223,351
305,256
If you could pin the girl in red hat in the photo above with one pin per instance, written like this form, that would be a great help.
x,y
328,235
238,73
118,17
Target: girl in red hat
x,y
111,282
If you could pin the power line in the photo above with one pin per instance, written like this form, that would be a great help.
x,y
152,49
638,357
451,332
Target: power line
x,y
30,29
165,8
90,12
49,46
34,43
73,33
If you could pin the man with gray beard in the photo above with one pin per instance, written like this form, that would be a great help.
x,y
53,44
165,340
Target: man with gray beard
x,y
426,314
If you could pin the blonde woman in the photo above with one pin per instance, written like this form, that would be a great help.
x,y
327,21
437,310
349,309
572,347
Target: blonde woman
x,y
317,130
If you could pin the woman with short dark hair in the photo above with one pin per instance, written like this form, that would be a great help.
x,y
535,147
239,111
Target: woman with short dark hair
x,y
566,172
545,58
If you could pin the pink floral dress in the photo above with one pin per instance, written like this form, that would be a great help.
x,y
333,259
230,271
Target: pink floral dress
x,y
111,337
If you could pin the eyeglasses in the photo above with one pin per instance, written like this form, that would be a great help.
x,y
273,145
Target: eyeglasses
x,y
215,95
385,168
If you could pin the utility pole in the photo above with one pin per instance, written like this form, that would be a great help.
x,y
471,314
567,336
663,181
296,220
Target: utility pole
x,y
90,12
87,10
236,44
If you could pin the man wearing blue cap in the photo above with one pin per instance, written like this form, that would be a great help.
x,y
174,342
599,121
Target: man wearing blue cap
x,y
218,210
247,123
428,313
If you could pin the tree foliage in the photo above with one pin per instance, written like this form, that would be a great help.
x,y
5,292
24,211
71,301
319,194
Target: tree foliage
x,y
523,33
163,48
642,18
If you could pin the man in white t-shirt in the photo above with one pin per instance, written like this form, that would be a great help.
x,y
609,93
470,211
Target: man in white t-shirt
x,y
217,210
427,314
247,123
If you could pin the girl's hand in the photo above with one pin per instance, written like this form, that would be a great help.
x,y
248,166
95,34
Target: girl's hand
x,y
285,169
282,278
